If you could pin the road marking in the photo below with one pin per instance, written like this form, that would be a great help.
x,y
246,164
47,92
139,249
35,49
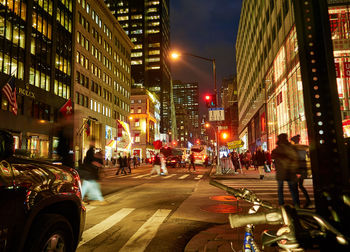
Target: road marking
x,y
199,177
143,236
169,176
141,176
153,176
184,176
104,225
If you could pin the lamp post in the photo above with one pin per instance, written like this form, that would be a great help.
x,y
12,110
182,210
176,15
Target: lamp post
x,y
176,55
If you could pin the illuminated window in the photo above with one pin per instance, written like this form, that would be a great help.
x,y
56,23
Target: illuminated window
x,y
136,54
153,31
122,18
153,45
136,16
154,17
152,10
153,67
153,59
136,31
136,62
154,52
154,24
139,46
133,39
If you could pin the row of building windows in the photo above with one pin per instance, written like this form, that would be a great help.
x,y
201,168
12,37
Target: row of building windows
x,y
63,64
83,61
66,3
46,5
64,18
83,22
11,66
84,42
81,99
17,7
12,32
42,25
39,79
62,89
107,47
100,108
82,79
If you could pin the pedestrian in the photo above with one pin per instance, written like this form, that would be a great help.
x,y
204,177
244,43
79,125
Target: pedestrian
x,y
134,161
90,174
235,162
302,168
286,161
163,165
122,165
260,161
129,163
268,161
156,165
192,163
248,159
64,146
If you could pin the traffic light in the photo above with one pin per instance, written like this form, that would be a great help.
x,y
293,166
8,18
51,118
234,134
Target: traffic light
x,y
210,100
198,141
224,135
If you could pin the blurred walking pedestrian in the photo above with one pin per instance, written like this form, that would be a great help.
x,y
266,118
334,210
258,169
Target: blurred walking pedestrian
x,y
129,163
192,163
164,170
122,165
302,168
286,161
134,161
90,174
156,165
260,161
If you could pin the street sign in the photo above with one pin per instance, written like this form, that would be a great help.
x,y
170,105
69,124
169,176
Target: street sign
x,y
216,114
235,144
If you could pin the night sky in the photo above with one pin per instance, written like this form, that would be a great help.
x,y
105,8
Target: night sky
x,y
206,28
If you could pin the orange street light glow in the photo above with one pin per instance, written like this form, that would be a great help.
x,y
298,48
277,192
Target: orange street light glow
x,y
130,118
207,125
224,135
175,55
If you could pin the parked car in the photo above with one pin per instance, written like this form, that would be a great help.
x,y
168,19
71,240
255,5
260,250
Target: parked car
x,y
40,203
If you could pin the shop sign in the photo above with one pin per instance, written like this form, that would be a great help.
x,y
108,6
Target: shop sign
x,y
235,144
347,69
26,92
216,114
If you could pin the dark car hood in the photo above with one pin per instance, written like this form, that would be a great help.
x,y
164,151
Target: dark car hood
x,y
38,178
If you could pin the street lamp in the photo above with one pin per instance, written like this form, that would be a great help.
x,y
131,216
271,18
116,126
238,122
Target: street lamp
x,y
176,55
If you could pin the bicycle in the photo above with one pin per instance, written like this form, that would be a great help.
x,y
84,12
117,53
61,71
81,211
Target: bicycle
x,y
301,229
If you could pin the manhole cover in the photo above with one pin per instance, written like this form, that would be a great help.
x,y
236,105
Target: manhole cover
x,y
221,208
223,198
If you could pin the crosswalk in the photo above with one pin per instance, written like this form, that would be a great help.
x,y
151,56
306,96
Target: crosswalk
x,y
267,189
138,241
179,176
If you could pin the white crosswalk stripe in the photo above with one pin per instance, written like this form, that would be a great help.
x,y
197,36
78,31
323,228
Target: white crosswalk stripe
x,y
184,176
267,189
140,240
169,176
198,177
104,225
141,176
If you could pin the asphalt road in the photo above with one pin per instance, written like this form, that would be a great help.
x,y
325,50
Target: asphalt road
x,y
144,212
168,213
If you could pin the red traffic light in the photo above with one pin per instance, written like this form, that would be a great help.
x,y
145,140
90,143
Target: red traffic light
x,y
207,98
210,100
198,142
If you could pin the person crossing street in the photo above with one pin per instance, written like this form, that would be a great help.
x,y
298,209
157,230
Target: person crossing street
x,y
192,163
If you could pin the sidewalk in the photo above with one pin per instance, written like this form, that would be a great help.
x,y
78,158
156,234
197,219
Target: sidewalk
x,y
247,174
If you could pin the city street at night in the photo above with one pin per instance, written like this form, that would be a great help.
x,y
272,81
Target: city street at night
x,y
174,125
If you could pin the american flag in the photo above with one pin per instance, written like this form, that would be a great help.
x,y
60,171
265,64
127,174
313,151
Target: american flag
x,y
9,90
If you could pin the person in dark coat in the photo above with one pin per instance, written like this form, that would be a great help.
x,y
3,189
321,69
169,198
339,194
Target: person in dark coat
x,y
122,165
302,168
286,161
90,174
129,163
260,160
192,163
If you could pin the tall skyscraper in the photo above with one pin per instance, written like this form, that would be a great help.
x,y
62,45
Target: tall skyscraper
x,y
102,77
36,47
186,95
147,24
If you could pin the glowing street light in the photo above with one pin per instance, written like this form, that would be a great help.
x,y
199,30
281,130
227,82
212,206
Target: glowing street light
x,y
175,55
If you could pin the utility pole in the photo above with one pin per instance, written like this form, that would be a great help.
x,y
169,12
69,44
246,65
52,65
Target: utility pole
x,y
330,170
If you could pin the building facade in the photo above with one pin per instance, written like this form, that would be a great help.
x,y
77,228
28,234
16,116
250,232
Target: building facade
x,y
229,101
186,95
270,88
102,80
183,126
144,122
36,46
148,26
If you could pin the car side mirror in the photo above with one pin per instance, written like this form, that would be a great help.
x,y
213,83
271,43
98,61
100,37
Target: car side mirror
x,y
6,145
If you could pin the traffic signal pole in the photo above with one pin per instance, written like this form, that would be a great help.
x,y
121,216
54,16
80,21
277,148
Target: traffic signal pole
x,y
330,170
